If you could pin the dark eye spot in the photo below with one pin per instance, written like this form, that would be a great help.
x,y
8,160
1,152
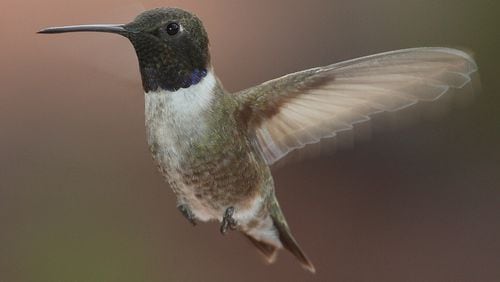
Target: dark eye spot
x,y
173,28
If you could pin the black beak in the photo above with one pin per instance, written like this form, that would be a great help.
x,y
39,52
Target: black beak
x,y
111,28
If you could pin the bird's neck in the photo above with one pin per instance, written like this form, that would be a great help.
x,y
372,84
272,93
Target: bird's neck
x,y
196,98
175,119
170,78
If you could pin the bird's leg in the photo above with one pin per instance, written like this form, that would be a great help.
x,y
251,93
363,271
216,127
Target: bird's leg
x,y
187,213
228,222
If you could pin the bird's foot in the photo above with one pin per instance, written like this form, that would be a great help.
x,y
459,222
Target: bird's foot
x,y
228,222
187,213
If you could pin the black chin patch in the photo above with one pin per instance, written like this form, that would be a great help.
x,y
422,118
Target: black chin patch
x,y
154,81
194,78
180,64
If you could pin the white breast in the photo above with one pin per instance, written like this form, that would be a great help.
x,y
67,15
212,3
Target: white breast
x,y
175,119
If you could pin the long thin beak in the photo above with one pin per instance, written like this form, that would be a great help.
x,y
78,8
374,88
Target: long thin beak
x,y
112,28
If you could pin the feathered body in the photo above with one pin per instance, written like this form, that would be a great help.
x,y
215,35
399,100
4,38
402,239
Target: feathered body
x,y
215,147
207,158
212,163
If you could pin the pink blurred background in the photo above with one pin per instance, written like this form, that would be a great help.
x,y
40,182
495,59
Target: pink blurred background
x,y
80,199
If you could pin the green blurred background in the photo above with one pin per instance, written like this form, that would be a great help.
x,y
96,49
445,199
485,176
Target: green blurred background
x,y
80,199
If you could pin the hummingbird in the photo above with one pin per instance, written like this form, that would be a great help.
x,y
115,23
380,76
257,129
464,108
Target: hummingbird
x,y
216,148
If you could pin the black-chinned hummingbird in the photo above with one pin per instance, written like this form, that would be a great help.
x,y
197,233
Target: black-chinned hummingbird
x,y
215,148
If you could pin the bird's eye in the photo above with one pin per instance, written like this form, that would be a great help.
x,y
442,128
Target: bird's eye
x,y
173,28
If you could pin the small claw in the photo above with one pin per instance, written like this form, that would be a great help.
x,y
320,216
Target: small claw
x,y
228,222
187,213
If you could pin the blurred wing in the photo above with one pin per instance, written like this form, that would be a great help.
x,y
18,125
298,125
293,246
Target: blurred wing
x,y
303,108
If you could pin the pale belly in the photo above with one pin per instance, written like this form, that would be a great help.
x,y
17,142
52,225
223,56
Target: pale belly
x,y
210,183
209,168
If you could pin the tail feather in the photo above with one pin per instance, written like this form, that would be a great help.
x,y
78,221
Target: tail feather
x,y
267,250
290,243
273,234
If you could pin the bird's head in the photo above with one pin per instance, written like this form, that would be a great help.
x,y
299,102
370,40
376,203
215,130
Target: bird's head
x,y
171,45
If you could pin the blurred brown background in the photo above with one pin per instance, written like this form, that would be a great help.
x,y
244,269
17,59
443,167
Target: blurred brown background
x,y
80,199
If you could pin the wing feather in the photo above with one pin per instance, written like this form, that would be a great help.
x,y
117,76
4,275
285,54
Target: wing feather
x,y
306,107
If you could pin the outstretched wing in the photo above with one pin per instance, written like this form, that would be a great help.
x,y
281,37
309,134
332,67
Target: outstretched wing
x,y
303,108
